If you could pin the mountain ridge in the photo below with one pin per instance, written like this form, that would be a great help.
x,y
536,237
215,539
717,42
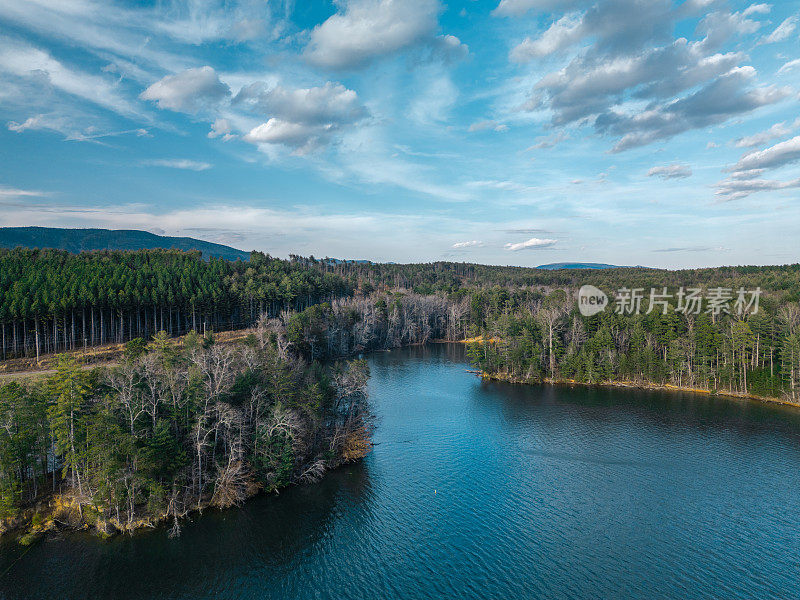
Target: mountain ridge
x,y
87,239
581,265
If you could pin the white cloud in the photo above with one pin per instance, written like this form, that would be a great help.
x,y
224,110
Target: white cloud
x,y
516,8
561,34
22,60
449,48
773,157
9,193
221,128
303,119
530,244
783,31
674,171
717,102
432,104
178,163
792,64
736,188
496,184
630,78
544,142
745,174
42,122
482,125
470,244
331,103
762,9
201,21
302,137
189,91
365,29
104,28
762,137
68,128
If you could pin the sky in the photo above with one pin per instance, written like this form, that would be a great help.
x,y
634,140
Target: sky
x,y
521,132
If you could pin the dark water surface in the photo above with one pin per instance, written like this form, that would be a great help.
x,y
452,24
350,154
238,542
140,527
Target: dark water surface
x,y
486,491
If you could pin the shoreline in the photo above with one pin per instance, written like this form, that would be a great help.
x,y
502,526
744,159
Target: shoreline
x,y
60,512
636,385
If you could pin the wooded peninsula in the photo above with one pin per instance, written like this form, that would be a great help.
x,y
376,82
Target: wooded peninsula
x,y
179,424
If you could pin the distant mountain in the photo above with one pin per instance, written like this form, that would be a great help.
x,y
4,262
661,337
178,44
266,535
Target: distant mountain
x,y
345,261
556,266
79,240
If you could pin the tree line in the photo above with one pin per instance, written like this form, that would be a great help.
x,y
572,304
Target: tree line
x,y
545,336
51,300
176,427
453,277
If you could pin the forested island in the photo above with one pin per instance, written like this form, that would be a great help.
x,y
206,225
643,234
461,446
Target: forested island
x,y
182,424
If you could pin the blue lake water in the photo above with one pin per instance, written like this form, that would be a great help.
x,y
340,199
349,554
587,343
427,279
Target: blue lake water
x,y
485,490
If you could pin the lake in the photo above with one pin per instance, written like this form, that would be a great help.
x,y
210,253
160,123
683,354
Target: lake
x,y
485,490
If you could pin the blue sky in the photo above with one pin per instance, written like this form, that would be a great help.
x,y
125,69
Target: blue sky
x,y
507,132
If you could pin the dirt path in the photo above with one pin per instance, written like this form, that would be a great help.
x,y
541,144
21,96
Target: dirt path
x,y
98,356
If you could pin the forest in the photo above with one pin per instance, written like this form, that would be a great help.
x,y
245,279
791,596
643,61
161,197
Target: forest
x,y
175,427
529,328
536,334
547,338
52,300
179,425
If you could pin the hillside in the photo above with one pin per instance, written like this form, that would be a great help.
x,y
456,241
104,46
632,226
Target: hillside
x,y
556,266
79,240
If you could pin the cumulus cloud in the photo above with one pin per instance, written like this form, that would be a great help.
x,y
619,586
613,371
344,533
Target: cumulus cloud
x,y
191,91
674,171
783,31
365,29
331,103
715,103
304,118
221,128
617,27
303,138
449,48
470,244
736,188
631,80
762,137
178,163
530,244
745,174
516,8
561,34
587,86
773,157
